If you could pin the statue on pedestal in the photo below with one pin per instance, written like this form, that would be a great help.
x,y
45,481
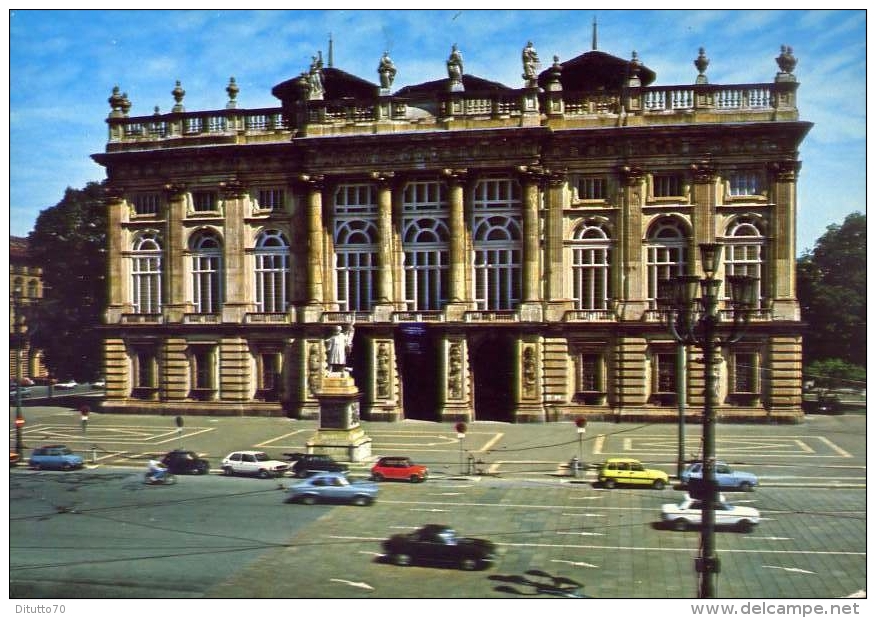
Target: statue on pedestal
x,y
530,65
454,68
338,348
387,71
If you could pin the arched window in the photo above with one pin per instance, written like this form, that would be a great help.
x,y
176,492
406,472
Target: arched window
x,y
496,231
206,248
146,273
591,266
744,247
666,247
355,246
271,272
425,239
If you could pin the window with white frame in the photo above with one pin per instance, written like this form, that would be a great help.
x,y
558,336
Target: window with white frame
x,y
745,183
271,272
591,265
146,204
744,247
207,275
666,250
497,244
271,199
356,246
425,240
146,273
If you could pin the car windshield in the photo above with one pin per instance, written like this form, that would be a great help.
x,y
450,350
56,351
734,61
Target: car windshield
x,y
64,451
261,457
447,536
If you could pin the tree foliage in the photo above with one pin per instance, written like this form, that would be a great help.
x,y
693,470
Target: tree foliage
x,y
832,290
69,241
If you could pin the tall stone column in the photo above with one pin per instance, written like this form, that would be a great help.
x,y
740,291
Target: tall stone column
x,y
557,301
631,304
239,284
384,296
315,246
175,250
783,267
458,294
118,301
704,198
530,306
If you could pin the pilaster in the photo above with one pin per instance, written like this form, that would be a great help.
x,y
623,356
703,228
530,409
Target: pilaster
x,y
783,276
177,302
631,274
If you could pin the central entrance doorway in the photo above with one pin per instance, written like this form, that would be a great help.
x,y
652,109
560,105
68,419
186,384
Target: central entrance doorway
x,y
417,355
493,366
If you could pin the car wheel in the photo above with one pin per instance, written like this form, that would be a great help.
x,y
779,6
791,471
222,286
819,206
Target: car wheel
x,y
468,564
300,474
66,467
227,471
377,477
361,500
205,469
264,474
416,479
659,484
401,559
608,483
308,500
680,525
35,466
744,486
745,526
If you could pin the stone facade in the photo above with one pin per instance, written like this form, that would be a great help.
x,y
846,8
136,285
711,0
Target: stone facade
x,y
497,249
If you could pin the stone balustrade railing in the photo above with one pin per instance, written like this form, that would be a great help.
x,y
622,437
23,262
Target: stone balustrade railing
x,y
634,101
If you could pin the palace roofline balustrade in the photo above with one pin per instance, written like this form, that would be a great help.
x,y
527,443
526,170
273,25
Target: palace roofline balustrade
x,y
632,106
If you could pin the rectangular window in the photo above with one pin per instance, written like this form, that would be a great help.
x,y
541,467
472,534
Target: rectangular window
x,y
590,379
592,189
145,370
146,203
745,372
271,199
744,183
665,373
204,201
667,185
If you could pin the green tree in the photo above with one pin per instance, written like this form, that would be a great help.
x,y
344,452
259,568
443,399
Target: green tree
x,y
69,241
832,290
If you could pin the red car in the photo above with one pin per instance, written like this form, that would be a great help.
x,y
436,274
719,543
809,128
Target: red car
x,y
399,468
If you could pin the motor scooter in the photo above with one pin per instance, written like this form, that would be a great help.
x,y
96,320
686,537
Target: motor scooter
x,y
158,476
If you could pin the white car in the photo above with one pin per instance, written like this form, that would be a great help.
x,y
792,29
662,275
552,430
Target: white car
x,y
689,513
253,463
68,384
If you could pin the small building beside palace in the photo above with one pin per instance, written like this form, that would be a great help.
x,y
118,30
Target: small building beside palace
x,y
493,250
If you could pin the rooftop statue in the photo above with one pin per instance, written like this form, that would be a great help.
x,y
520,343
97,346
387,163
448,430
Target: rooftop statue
x,y
317,88
530,64
454,67
387,71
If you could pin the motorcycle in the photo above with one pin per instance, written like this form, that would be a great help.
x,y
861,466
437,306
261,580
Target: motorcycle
x,y
158,475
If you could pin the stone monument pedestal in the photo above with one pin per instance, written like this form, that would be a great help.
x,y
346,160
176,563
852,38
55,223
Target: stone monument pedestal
x,y
340,433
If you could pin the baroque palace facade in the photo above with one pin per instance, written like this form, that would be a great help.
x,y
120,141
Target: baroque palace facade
x,y
494,250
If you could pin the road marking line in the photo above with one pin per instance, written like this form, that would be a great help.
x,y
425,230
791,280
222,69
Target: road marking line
x,y
842,452
804,447
272,440
573,563
490,443
598,443
354,584
789,569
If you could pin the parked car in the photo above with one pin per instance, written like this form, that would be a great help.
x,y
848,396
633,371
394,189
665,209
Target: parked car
x,y
626,471
252,463
332,487
25,391
306,463
185,462
54,457
67,384
436,544
399,468
689,513
726,477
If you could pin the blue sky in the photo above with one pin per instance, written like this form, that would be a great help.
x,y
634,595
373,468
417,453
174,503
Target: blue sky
x,y
64,64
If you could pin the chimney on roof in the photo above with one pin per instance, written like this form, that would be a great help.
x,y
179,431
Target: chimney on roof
x,y
331,54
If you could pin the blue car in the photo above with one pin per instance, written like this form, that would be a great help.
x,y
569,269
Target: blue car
x,y
54,457
332,487
726,477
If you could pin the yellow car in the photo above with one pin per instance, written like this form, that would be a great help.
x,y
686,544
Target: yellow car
x,y
625,471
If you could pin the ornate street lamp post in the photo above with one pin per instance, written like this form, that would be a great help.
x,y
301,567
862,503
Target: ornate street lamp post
x,y
695,320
